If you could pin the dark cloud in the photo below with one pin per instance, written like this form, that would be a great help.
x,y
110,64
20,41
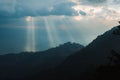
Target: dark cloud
x,y
83,13
116,1
93,2
96,1
64,9
18,8
15,9
23,8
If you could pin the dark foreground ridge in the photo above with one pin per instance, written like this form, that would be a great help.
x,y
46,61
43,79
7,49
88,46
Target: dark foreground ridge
x,y
26,64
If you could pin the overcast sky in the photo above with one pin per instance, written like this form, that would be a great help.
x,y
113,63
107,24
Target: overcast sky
x,y
47,23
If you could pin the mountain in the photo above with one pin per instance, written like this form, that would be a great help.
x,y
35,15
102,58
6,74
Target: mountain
x,y
82,64
22,65
109,71
85,61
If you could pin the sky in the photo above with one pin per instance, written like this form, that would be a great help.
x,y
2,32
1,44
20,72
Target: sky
x,y
37,25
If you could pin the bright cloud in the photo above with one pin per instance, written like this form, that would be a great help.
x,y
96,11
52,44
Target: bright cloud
x,y
105,9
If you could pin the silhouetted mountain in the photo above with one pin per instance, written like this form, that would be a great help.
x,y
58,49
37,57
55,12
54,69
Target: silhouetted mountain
x,y
20,66
109,71
95,54
81,65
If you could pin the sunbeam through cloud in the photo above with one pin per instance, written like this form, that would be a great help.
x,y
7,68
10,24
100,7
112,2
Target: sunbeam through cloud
x,y
30,42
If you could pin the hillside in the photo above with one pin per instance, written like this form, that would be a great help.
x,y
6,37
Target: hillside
x,y
83,63
18,66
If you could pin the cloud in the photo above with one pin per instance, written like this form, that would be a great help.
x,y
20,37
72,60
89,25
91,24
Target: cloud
x,y
96,1
103,9
20,8
23,8
83,13
90,2
7,7
64,9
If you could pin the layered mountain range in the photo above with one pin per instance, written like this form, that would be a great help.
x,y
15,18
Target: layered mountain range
x,y
21,65
69,61
82,64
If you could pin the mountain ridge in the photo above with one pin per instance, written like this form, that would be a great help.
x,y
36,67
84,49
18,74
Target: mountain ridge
x,y
95,54
86,60
14,66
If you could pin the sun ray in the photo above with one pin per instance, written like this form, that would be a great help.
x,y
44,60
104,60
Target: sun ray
x,y
49,32
68,32
30,44
57,39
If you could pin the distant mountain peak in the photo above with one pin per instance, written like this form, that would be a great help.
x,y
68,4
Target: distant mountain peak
x,y
70,44
67,46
